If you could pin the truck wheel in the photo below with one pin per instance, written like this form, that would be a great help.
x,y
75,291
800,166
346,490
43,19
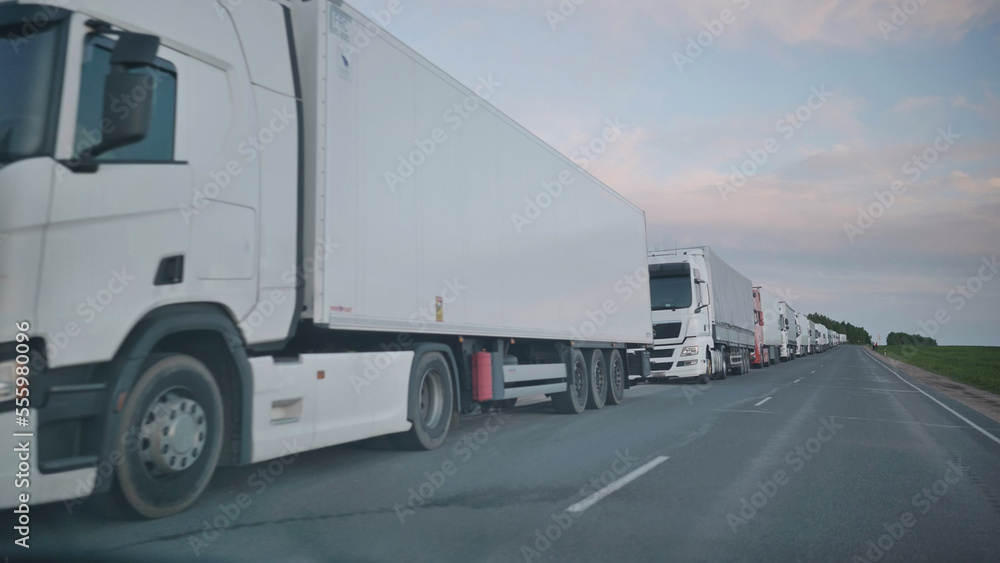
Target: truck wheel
x,y
174,413
616,377
574,399
431,398
597,377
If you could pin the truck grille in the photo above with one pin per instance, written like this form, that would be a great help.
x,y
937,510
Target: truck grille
x,y
666,330
667,353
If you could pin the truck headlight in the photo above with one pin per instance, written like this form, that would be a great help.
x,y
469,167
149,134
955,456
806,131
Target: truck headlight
x,y
689,351
8,380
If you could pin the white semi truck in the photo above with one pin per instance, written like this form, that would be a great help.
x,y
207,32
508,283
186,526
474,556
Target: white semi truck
x,y
703,316
789,331
802,338
232,229
773,329
822,338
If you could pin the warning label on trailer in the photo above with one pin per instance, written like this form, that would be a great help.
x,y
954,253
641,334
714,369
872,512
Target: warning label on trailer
x,y
340,24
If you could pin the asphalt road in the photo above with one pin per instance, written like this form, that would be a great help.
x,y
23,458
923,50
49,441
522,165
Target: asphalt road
x,y
829,457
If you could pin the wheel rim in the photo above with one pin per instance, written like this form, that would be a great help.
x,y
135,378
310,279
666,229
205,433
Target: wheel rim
x,y
618,378
599,378
579,379
431,398
174,430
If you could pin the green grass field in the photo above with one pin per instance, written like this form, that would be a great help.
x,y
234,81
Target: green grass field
x,y
978,366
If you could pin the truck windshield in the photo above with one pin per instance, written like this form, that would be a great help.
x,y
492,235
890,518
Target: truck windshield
x,y
31,56
670,288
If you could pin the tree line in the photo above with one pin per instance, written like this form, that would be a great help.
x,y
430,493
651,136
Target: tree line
x,y
855,334
903,339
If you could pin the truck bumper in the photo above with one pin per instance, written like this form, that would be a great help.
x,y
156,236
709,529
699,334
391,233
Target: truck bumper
x,y
666,363
40,487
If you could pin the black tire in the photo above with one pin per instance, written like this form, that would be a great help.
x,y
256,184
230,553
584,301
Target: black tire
x,y
574,399
172,421
597,377
431,397
725,365
616,377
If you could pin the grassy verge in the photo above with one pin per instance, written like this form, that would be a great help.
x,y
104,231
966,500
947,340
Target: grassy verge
x,y
978,366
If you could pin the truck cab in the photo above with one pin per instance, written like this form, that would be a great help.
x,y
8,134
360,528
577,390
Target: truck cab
x,y
801,335
683,347
759,356
789,331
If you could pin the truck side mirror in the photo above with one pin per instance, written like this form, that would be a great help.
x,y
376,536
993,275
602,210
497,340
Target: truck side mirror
x,y
128,123
699,307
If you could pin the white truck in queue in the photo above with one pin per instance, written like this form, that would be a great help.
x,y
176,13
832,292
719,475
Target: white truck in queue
x,y
789,331
822,338
772,324
702,316
232,230
802,338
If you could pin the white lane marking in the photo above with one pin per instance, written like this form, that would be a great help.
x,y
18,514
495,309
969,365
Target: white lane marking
x,y
762,402
946,407
813,371
798,380
592,499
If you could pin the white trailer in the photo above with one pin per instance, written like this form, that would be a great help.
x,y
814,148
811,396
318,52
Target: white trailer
x,y
302,233
802,335
773,324
703,316
822,338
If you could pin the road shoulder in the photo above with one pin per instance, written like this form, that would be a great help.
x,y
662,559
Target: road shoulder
x,y
983,402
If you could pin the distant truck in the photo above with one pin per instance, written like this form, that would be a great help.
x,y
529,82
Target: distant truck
x,y
703,324
772,324
802,335
759,356
294,232
822,338
789,331
812,337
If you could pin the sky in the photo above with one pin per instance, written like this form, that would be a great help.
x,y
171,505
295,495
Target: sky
x,y
844,153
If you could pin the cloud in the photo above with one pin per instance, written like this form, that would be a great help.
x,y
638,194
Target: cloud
x,y
989,107
911,104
